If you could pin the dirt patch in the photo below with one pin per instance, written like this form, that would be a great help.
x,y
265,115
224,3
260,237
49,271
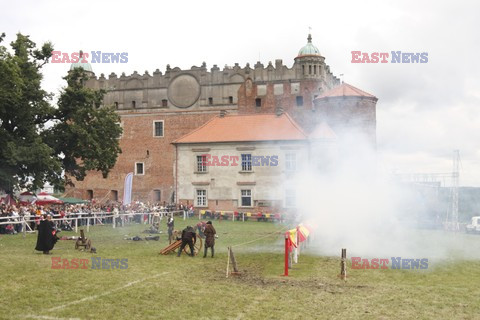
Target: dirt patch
x,y
253,277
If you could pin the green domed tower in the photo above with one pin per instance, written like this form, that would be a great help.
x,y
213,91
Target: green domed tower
x,y
83,65
310,63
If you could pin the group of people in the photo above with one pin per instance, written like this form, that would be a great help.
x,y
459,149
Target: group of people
x,y
47,235
11,215
189,237
40,218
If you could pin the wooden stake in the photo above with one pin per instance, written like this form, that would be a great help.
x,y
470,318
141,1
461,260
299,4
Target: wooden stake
x,y
228,260
343,265
234,261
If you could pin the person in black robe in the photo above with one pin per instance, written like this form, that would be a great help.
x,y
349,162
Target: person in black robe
x,y
47,235
188,237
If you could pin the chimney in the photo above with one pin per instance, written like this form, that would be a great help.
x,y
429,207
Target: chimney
x,y
279,111
223,113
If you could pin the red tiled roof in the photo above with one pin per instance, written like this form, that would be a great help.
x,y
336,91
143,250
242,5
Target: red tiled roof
x,y
256,127
345,90
323,132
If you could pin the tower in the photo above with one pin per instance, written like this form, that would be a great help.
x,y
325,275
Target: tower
x,y
83,64
309,62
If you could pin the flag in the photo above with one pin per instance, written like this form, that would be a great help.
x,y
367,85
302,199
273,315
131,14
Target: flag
x,y
292,234
127,189
303,233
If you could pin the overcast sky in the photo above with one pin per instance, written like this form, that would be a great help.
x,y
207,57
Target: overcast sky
x,y
424,111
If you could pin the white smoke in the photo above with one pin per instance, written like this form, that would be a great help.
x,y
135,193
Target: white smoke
x,y
355,206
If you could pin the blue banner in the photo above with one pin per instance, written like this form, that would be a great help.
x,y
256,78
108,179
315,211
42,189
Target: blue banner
x,y
127,189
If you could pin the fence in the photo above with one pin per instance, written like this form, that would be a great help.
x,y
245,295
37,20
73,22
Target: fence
x,y
102,218
88,219
235,215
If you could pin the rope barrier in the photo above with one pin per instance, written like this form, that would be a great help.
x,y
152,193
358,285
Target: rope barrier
x,y
277,231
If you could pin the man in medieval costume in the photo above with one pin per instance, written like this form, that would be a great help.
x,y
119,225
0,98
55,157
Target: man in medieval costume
x,y
209,233
188,237
47,235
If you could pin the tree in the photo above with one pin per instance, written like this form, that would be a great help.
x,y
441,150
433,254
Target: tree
x,y
41,143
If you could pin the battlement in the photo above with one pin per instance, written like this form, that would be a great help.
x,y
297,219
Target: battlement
x,y
198,86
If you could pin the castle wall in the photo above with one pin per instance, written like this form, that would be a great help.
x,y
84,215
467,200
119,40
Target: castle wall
x,y
185,100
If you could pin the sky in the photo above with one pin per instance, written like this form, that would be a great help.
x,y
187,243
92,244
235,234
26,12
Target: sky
x,y
424,112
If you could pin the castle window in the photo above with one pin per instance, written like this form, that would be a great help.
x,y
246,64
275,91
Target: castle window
x,y
246,162
164,103
202,163
246,199
116,105
299,100
201,198
290,162
258,102
310,69
139,168
303,69
230,99
210,101
158,128
157,195
114,195
133,104
315,69
290,198
89,194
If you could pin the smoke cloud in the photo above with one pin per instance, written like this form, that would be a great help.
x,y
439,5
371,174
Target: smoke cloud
x,y
354,205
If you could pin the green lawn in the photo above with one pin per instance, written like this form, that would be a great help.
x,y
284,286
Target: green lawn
x,y
167,287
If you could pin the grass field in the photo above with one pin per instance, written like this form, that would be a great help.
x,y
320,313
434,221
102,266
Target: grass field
x,y
167,287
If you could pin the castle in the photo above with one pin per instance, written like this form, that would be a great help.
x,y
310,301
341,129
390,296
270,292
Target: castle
x,y
158,109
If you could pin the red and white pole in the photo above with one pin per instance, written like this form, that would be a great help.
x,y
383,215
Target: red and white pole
x,y
287,249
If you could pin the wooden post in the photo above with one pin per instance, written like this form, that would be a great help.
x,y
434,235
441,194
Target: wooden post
x,y
228,260
76,225
243,216
234,261
343,265
88,224
24,227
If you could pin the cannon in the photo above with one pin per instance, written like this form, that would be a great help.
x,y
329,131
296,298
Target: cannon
x,y
83,242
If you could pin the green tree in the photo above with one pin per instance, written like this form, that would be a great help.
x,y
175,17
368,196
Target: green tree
x,y
42,143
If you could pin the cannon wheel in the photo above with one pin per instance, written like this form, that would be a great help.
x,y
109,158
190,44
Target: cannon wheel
x,y
88,245
197,247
